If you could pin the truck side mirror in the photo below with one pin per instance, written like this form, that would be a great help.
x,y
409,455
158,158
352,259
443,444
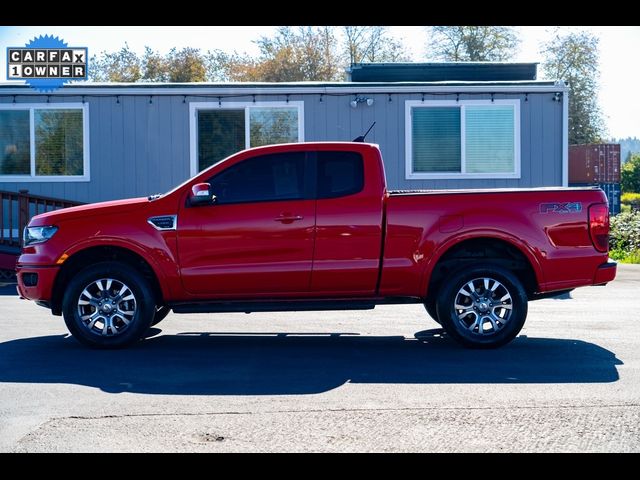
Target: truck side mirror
x,y
201,195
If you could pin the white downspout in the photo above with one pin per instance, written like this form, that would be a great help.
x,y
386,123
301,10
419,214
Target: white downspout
x,y
565,137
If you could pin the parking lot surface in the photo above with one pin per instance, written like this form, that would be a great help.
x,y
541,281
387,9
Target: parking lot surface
x,y
382,380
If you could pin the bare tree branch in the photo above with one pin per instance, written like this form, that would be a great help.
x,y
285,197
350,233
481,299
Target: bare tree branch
x,y
473,43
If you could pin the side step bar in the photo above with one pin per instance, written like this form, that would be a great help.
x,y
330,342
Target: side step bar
x,y
249,306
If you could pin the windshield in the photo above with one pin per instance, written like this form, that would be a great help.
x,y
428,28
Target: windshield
x,y
198,173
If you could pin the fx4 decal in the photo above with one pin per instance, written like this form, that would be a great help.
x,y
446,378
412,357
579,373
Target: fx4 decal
x,y
561,207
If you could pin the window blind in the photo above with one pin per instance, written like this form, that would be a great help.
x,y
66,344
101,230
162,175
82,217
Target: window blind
x,y
59,142
489,139
220,134
436,139
15,155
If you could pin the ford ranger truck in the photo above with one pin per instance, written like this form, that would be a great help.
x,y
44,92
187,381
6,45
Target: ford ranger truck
x,y
312,226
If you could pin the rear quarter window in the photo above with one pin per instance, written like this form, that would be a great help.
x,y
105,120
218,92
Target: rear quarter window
x,y
339,174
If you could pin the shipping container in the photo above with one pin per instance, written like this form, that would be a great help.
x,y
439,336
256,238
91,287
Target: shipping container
x,y
594,163
611,190
613,195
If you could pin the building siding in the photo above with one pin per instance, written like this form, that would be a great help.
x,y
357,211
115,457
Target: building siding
x,y
138,147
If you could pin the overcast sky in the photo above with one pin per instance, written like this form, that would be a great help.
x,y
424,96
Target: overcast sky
x,y
619,47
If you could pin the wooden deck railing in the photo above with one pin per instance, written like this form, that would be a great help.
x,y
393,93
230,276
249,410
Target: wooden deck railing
x,y
16,209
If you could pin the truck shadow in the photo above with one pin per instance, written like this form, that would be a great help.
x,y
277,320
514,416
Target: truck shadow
x,y
8,289
208,363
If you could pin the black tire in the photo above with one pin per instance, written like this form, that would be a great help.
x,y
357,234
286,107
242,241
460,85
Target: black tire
x,y
473,326
161,313
91,279
430,307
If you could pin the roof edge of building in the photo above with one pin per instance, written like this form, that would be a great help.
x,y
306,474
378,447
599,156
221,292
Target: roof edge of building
x,y
15,88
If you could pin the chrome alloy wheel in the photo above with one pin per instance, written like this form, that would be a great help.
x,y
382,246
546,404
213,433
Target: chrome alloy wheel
x,y
483,306
106,307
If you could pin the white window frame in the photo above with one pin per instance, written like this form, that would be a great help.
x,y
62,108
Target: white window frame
x,y
408,125
32,177
194,107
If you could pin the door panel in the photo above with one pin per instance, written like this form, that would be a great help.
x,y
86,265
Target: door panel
x,y
247,249
348,225
348,246
257,239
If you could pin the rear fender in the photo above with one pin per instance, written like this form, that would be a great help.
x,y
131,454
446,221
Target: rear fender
x,y
453,240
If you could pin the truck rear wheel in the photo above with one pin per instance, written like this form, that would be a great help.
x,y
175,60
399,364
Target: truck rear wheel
x,y
430,307
108,305
482,307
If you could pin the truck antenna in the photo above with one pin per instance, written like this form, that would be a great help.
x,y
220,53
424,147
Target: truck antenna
x,y
362,137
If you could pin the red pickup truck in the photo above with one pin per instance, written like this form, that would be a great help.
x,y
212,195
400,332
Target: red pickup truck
x,y
312,226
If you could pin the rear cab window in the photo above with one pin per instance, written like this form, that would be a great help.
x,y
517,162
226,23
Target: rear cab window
x,y
339,174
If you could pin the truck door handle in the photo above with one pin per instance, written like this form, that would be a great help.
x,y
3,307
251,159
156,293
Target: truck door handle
x,y
288,218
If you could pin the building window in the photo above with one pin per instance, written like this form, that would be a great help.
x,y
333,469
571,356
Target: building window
x,y
44,142
464,139
218,131
15,145
272,125
436,139
220,134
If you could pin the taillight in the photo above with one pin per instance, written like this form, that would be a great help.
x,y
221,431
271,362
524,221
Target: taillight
x,y
599,226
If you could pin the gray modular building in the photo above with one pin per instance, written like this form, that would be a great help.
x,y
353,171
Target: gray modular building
x,y
438,126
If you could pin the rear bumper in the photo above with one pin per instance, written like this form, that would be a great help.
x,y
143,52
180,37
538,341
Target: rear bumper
x,y
605,273
42,290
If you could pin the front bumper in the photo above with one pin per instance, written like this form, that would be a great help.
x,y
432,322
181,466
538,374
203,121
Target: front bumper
x,y
43,288
605,273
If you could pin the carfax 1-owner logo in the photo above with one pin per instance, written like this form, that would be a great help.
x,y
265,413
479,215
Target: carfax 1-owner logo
x,y
47,63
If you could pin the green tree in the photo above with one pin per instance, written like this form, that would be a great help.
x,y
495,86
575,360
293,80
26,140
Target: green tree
x,y
186,65
290,54
154,66
304,53
473,43
371,44
630,174
574,58
121,66
230,67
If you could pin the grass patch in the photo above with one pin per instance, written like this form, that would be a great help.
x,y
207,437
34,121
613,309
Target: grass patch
x,y
625,257
629,202
624,237
629,197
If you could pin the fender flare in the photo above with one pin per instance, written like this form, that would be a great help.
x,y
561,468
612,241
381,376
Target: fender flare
x,y
458,237
134,247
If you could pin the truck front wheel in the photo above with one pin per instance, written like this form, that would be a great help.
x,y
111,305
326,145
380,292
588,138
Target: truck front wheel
x,y
161,313
482,307
108,305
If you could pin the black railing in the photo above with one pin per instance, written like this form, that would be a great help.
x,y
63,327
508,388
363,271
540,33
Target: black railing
x,y
16,209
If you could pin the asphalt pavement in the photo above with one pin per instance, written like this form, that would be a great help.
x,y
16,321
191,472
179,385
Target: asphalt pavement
x,y
384,380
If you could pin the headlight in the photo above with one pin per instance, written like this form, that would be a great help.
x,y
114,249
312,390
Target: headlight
x,y
33,235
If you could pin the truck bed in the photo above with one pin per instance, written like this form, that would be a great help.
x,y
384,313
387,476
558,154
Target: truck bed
x,y
488,190
548,225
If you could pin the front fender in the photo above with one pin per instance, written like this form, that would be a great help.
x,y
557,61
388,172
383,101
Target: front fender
x,y
161,264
